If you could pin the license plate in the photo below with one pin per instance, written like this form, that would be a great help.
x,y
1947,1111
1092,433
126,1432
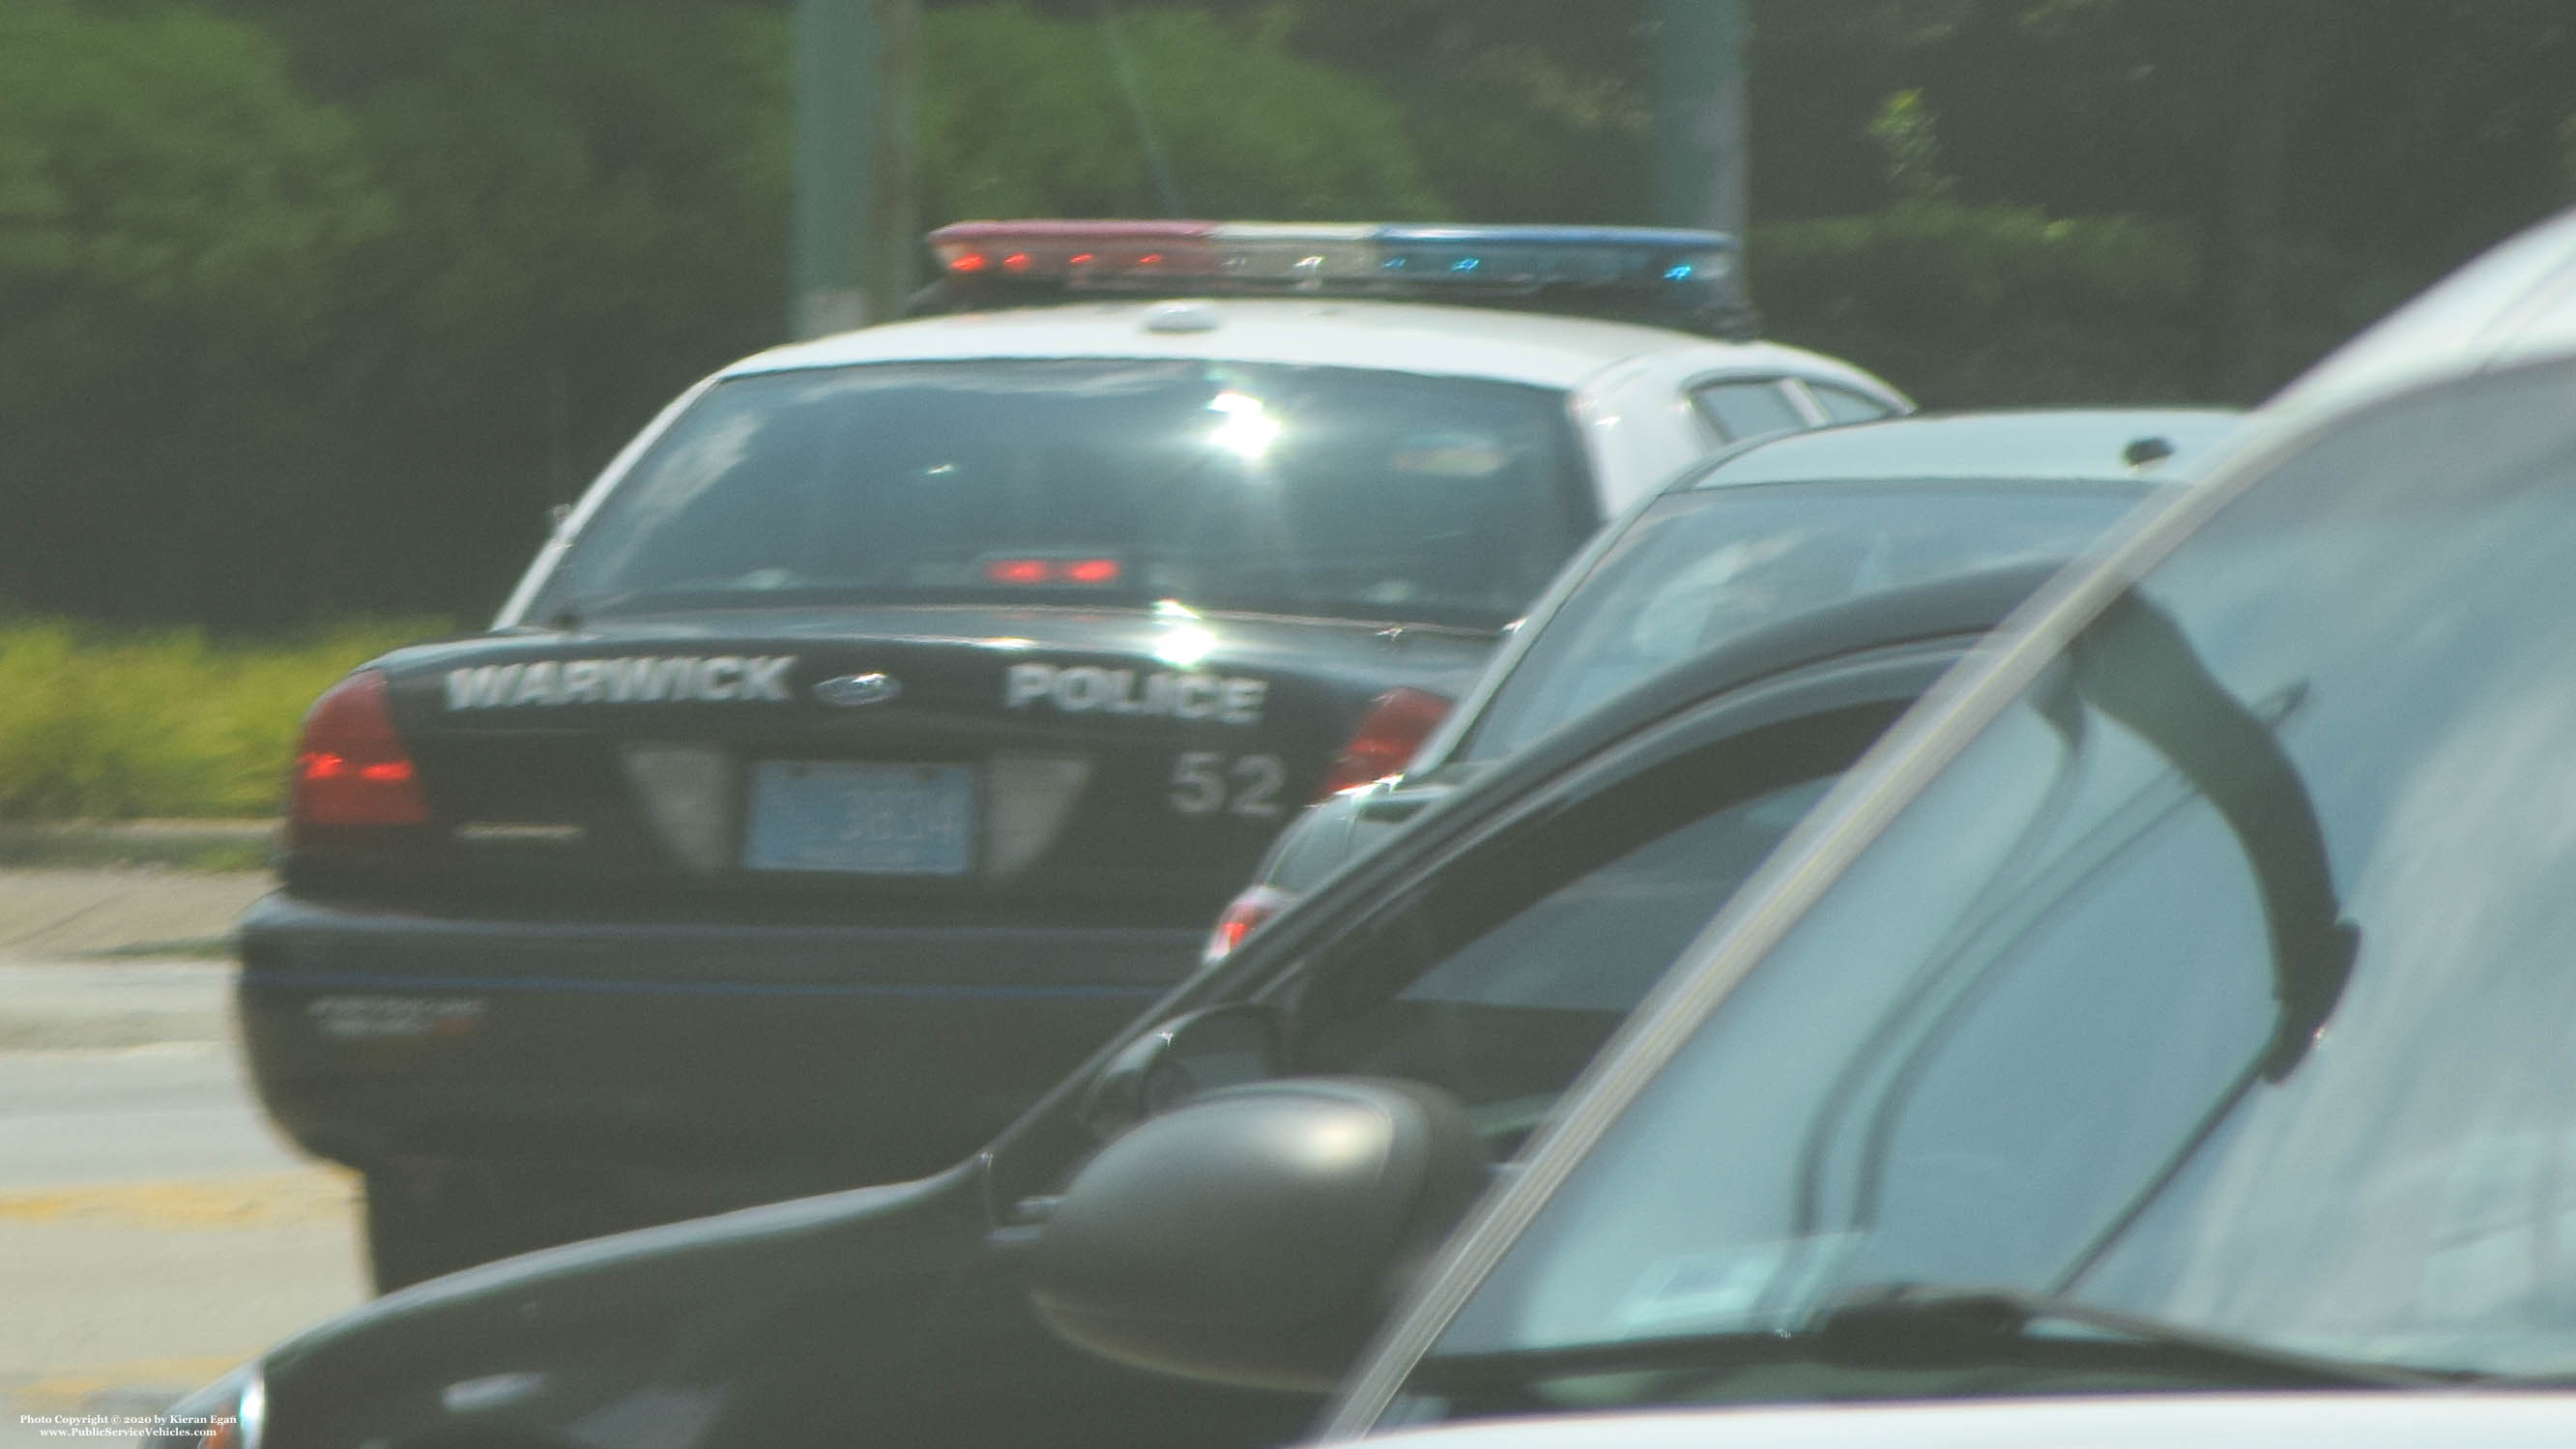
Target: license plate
x,y
860,819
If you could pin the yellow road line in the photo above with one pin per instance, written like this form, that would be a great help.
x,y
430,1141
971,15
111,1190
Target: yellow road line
x,y
310,1196
72,1391
67,1391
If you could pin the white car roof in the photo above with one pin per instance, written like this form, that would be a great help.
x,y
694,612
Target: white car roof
x,y
1478,342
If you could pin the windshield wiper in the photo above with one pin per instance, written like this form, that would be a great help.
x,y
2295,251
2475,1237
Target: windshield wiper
x,y
1914,1328
1931,1325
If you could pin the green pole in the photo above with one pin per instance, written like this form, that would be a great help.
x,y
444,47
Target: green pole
x,y
1698,96
854,229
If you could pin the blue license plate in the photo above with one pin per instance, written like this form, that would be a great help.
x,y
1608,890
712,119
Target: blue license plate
x,y
820,815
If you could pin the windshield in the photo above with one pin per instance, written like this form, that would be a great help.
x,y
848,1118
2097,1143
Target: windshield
x,y
1317,491
1696,569
2222,980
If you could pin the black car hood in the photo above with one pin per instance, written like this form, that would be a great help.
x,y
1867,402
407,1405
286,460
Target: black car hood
x,y
686,1319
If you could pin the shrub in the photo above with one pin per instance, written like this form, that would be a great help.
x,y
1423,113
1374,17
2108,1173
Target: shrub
x,y
1985,306
98,724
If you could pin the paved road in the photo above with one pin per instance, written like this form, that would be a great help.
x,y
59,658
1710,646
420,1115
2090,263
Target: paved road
x,y
153,1231
55,914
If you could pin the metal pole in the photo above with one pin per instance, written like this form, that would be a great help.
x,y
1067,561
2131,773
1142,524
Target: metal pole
x,y
1156,159
855,224
1698,97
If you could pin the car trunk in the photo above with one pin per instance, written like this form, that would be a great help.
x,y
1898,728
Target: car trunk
x,y
914,765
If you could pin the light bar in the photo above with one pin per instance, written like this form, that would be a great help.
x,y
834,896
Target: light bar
x,y
1686,272
1070,253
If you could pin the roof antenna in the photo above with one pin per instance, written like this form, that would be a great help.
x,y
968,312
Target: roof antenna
x,y
1159,163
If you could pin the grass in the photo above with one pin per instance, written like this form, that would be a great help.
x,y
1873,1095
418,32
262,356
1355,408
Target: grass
x,y
99,724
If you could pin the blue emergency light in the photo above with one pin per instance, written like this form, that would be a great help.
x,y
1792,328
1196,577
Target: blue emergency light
x,y
1670,276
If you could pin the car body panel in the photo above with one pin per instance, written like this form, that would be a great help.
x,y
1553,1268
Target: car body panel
x,y
694,1051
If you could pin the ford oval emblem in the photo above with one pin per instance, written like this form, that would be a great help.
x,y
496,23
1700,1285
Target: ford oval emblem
x,y
850,691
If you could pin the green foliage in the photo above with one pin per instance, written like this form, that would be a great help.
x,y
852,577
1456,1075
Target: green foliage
x,y
1986,306
97,724
157,157
1024,116
1969,306
594,199
1519,110
173,214
1903,132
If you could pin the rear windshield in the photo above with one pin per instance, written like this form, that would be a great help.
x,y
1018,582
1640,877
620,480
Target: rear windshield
x,y
1700,568
1332,492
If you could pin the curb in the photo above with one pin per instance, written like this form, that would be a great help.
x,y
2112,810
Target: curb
x,y
179,844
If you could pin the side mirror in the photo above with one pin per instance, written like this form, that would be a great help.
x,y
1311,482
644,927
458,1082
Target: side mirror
x,y
1255,1236
1221,1046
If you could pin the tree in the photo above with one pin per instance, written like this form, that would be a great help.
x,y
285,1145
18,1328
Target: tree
x,y
594,198
1023,116
593,213
170,212
2327,158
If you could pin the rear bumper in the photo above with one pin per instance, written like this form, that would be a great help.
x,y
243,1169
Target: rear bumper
x,y
811,1056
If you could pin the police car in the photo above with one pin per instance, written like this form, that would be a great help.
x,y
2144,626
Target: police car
x,y
882,728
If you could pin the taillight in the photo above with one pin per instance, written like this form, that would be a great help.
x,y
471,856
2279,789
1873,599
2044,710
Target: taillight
x,y
1397,723
1246,911
350,765
1035,571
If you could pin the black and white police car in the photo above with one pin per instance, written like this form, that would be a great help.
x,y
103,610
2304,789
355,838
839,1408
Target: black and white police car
x,y
884,726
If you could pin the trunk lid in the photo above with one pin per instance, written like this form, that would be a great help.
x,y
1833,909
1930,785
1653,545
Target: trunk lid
x,y
901,763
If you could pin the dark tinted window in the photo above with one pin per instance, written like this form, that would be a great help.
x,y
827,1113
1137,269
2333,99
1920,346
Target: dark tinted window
x,y
1742,410
1503,976
1700,568
1845,406
1300,490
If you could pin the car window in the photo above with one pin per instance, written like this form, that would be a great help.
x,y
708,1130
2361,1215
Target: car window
x,y
1741,410
1302,490
1843,405
2221,980
1502,977
1702,567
